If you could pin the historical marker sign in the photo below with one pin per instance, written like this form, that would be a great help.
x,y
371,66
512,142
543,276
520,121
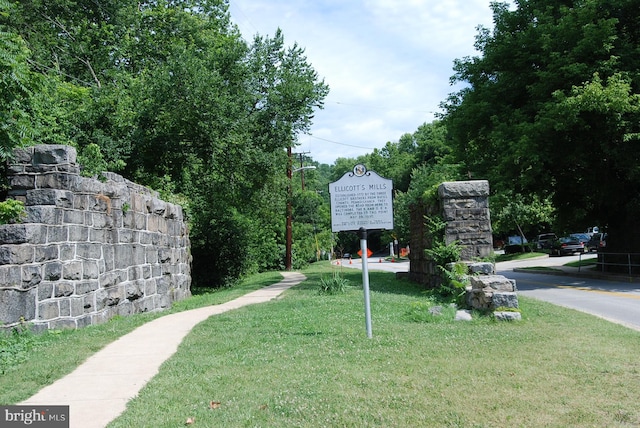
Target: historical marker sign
x,y
361,199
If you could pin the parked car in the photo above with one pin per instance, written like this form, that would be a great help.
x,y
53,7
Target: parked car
x,y
566,245
583,237
597,242
515,244
544,240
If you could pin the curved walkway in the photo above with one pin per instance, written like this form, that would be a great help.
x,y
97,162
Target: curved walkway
x,y
98,390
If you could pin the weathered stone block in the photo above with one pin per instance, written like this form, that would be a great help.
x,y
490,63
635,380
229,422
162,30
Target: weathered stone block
x,y
77,306
156,206
507,316
112,297
462,189
48,310
46,253
57,180
150,287
89,250
53,154
16,254
52,271
134,290
90,269
482,268
86,287
125,236
67,251
13,234
17,305
78,233
63,289
73,217
72,270
57,234
59,198
31,276
123,256
45,291
62,324
504,299
24,181
10,276
491,282
138,253
65,307
99,220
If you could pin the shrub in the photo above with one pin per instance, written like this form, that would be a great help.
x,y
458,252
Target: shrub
x,y
11,211
454,283
333,285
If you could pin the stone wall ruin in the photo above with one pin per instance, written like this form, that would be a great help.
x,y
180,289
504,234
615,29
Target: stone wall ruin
x,y
464,206
88,249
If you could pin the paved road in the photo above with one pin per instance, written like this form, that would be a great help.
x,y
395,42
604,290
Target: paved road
x,y
615,301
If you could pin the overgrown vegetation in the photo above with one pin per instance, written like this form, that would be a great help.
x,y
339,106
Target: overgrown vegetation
x,y
15,345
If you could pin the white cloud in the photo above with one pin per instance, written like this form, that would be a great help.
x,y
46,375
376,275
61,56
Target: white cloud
x,y
387,62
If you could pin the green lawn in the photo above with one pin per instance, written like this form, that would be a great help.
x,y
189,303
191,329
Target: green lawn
x,y
304,361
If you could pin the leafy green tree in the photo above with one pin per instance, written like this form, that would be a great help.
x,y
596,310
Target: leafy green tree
x,y
550,107
17,84
524,215
175,99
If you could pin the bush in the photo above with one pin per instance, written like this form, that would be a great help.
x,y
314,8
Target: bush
x,y
333,285
454,282
11,211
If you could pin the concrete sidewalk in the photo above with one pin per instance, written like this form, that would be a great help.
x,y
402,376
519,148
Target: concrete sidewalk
x,y
99,389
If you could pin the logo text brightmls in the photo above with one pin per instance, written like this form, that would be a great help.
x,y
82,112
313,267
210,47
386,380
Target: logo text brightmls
x,y
35,416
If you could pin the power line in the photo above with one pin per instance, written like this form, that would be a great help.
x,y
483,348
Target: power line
x,y
383,108
340,144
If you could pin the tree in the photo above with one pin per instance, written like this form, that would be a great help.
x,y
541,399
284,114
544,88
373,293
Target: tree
x,y
16,86
511,212
551,109
175,99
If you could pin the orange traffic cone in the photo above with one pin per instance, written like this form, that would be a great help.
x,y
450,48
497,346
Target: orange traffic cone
x,y
393,259
350,262
379,260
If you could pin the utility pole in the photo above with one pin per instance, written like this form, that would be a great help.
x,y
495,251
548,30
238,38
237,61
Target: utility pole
x,y
302,168
289,238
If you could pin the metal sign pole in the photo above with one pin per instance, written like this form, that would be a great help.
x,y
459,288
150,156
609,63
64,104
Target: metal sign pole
x,y
365,280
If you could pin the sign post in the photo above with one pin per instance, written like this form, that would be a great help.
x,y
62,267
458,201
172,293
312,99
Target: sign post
x,y
361,200
365,280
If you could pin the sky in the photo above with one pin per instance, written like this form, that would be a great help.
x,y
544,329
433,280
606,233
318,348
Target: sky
x,y
387,62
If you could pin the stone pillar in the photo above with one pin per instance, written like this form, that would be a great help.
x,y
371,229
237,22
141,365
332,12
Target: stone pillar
x,y
465,208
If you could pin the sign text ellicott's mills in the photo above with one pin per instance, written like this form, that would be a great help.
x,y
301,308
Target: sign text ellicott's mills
x,y
361,198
